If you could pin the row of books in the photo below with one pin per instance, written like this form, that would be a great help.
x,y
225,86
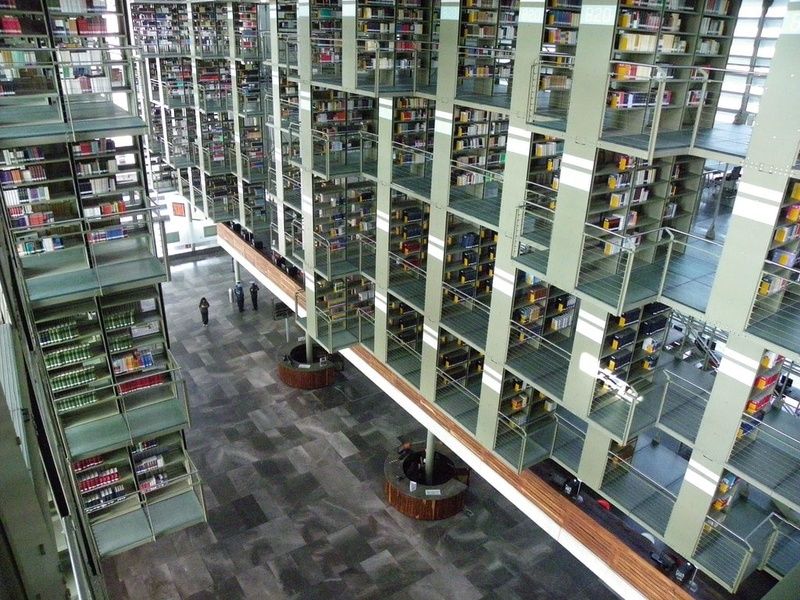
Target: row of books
x,y
15,176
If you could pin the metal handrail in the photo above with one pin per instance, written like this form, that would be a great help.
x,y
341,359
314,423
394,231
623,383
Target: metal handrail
x,y
628,465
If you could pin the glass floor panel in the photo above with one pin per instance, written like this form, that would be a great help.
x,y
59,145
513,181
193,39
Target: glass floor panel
x,y
405,364
643,285
404,177
97,436
408,289
472,325
460,406
567,450
157,418
122,533
130,272
769,465
723,138
639,499
176,512
536,260
485,209
689,280
545,369
682,414
500,99
781,327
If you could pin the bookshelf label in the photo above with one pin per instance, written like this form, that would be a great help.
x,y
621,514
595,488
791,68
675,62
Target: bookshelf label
x,y
597,14
532,14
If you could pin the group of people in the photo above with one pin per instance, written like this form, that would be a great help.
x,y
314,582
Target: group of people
x,y
238,295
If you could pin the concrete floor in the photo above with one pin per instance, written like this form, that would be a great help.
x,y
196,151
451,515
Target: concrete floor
x,y
293,486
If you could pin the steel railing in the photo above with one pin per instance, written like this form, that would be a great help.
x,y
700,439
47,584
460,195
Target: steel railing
x,y
394,66
669,103
611,262
523,440
485,75
767,455
620,408
682,406
457,400
476,191
567,444
540,361
533,231
412,169
407,280
550,89
405,359
326,60
639,495
776,303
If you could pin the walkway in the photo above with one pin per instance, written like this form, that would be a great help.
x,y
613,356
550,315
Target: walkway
x,y
294,487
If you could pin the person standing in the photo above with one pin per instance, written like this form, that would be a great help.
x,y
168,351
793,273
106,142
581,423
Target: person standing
x,y
238,293
204,311
254,294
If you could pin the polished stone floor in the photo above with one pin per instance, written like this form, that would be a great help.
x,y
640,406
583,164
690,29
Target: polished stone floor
x,y
293,486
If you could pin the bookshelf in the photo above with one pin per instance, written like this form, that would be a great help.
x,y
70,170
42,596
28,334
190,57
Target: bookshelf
x,y
685,43
161,29
487,40
541,332
338,303
287,35
404,340
337,120
408,247
343,210
392,40
470,252
556,61
458,381
631,349
480,138
210,29
545,165
326,40
525,423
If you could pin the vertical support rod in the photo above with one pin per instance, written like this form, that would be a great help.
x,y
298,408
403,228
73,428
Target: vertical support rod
x,y
309,348
430,452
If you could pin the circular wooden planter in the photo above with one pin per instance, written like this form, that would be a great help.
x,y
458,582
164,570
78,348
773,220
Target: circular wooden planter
x,y
295,372
426,502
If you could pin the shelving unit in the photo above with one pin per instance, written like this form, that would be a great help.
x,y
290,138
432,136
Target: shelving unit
x,y
685,44
404,332
526,423
541,334
338,303
408,248
488,34
553,73
343,211
470,253
393,44
326,40
74,194
775,292
632,345
458,382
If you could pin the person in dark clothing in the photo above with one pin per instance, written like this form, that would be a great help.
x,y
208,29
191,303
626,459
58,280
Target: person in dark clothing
x,y
254,294
204,311
238,293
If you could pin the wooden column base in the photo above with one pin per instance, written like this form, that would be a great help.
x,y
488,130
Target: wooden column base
x,y
306,376
423,509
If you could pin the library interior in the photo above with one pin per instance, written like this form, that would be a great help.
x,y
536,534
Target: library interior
x,y
582,383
